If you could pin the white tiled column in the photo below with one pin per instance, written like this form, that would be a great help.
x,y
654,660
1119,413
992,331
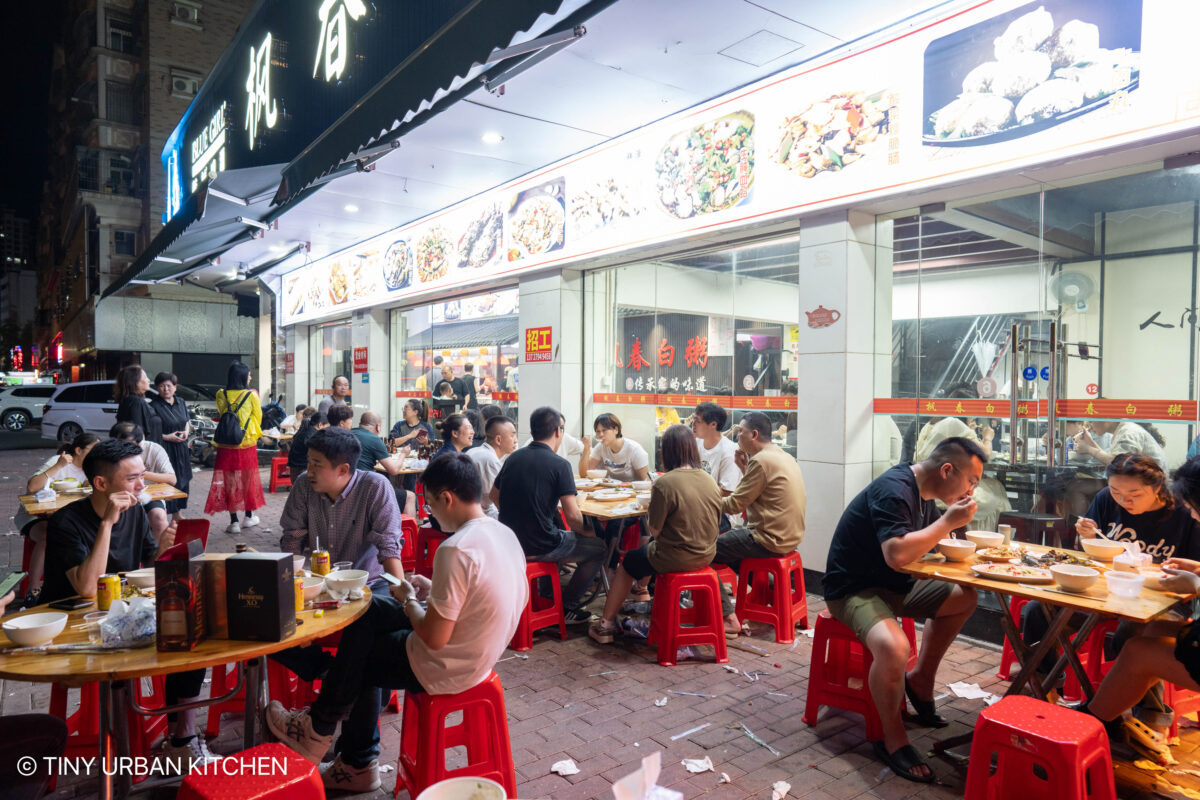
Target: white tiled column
x,y
369,329
555,301
835,366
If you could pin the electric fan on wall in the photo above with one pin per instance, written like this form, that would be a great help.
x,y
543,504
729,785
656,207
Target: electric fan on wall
x,y
1072,289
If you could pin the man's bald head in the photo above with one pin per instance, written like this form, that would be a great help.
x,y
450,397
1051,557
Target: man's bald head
x,y
369,419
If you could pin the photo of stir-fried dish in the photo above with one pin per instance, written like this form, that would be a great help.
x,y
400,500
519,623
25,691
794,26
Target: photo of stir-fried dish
x,y
607,203
1038,72
366,267
831,134
480,243
537,226
339,289
707,168
433,254
397,265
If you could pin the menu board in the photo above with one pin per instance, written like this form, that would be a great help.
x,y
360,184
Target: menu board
x,y
1000,86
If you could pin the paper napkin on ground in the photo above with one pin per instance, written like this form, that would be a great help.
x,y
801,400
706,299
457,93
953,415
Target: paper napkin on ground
x,y
779,790
698,764
566,767
970,691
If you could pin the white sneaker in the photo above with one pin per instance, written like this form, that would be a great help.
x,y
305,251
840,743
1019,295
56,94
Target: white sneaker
x,y
338,775
180,760
294,728
234,528
251,521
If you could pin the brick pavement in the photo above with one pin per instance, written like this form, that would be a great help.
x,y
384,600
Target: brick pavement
x,y
560,707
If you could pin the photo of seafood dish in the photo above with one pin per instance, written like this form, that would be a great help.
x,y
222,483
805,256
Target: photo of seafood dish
x,y
294,294
537,226
707,168
607,204
831,134
433,254
339,288
366,267
480,243
1029,70
397,265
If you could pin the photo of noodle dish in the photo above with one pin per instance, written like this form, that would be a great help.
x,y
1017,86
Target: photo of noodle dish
x,y
339,286
397,265
608,203
433,254
831,134
537,226
1021,73
480,242
707,168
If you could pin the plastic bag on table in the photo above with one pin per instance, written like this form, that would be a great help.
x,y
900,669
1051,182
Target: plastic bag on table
x,y
129,624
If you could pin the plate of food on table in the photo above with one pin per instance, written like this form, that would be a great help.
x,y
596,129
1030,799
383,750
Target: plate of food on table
x,y
1014,573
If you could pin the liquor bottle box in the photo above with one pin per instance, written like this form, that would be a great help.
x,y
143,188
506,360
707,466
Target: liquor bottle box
x,y
179,599
260,594
216,608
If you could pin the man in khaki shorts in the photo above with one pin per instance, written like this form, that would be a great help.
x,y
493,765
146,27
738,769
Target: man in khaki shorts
x,y
891,523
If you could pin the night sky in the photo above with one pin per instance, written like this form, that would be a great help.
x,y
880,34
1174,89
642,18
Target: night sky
x,y
29,31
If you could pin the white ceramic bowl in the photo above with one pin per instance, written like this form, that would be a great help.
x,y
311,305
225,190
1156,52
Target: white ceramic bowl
x,y
596,475
314,585
1153,578
642,486
64,485
343,580
464,789
141,578
297,564
1124,584
956,549
643,499
985,539
1074,578
1103,549
33,630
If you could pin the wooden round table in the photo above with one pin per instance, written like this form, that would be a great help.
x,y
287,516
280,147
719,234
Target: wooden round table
x,y
113,671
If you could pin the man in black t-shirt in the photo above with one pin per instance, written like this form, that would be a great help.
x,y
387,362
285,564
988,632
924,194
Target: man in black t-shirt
x,y
109,532
891,523
531,485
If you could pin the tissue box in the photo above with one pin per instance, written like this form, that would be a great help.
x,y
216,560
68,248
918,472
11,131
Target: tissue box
x,y
260,596
179,599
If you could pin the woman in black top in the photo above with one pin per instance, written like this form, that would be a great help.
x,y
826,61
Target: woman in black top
x,y
413,426
298,451
130,391
175,420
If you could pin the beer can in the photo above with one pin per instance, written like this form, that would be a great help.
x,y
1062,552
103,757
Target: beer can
x,y
320,562
240,547
108,589
299,594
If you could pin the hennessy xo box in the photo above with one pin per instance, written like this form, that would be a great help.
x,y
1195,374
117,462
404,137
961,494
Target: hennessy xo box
x,y
260,596
179,598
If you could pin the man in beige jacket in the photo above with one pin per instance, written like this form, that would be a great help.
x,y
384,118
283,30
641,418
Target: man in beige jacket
x,y
771,493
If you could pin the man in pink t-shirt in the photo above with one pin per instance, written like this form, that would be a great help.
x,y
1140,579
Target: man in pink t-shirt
x,y
445,645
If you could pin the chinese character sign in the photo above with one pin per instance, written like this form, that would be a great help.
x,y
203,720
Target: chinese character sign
x,y
360,359
334,42
669,353
260,106
538,345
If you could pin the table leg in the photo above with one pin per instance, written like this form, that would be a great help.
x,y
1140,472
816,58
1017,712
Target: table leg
x,y
1028,674
1070,646
255,700
119,691
105,739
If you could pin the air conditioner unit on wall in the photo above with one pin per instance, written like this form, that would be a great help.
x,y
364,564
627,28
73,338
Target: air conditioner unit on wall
x,y
184,12
184,85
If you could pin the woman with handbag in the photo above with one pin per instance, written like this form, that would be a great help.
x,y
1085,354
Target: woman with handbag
x,y
236,483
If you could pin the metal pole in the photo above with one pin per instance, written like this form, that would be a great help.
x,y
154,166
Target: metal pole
x,y
1053,394
1015,374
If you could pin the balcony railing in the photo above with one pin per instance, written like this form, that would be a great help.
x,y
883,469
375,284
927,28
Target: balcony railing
x,y
107,172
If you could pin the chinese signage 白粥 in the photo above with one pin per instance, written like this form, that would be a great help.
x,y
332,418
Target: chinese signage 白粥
x,y
1000,86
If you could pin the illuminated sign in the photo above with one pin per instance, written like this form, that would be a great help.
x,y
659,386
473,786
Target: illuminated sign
x,y
174,186
207,150
334,41
260,107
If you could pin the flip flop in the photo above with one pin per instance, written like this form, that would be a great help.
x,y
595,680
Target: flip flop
x,y
902,762
926,713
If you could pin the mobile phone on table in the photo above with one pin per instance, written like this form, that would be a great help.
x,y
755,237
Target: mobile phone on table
x,y
392,579
71,603
10,582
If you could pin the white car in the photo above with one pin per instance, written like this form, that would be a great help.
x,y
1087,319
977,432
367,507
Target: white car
x,y
21,406
78,407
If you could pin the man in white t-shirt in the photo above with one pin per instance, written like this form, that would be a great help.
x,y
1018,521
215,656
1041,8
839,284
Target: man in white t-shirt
x,y
717,452
475,600
158,470
500,439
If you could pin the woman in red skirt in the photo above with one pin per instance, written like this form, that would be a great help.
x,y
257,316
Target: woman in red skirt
x,y
236,484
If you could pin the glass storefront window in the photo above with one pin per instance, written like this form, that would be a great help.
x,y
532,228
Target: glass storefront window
x,y
331,354
720,325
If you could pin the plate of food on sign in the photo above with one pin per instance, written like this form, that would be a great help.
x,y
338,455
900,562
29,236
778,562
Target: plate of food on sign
x,y
707,168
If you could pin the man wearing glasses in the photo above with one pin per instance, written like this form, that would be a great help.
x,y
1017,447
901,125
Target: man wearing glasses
x,y
529,489
891,523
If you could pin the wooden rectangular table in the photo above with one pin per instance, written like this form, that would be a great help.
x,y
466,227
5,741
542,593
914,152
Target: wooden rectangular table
x,y
157,491
1096,603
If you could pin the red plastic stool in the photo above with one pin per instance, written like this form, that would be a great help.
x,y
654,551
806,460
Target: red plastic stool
x,y
1008,656
280,476
428,541
293,778
1091,658
1070,748
838,673
1182,701
422,513
408,551
425,738
727,575
631,537
84,724
23,587
540,612
771,590
672,627
282,684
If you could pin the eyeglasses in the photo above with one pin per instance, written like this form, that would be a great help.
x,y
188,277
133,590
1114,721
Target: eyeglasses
x,y
971,479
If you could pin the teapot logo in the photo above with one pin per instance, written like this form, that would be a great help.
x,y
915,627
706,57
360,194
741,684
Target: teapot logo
x,y
822,317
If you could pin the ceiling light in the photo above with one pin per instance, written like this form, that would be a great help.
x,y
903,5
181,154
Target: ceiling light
x,y
491,137
350,207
